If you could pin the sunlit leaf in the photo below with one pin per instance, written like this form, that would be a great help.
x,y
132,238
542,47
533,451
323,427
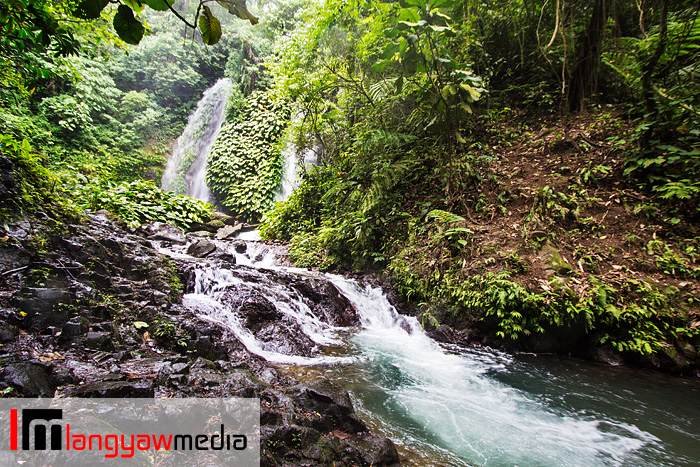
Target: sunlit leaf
x,y
239,8
159,5
90,9
210,27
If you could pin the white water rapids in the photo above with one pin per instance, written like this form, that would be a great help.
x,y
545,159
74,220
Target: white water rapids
x,y
454,406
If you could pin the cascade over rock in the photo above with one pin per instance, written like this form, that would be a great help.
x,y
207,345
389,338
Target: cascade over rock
x,y
186,170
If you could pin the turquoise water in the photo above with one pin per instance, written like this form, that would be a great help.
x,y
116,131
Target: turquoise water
x,y
481,407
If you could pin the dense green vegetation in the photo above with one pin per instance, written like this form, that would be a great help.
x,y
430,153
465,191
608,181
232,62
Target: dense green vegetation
x,y
530,170
245,164
416,105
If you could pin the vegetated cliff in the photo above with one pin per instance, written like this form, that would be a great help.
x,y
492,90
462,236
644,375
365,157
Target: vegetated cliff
x,y
90,309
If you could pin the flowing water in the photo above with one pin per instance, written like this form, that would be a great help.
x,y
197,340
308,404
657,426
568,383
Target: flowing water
x,y
186,170
442,405
448,406
290,170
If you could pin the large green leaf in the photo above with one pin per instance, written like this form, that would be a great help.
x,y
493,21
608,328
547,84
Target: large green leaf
x,y
134,5
90,9
160,5
238,8
210,27
129,29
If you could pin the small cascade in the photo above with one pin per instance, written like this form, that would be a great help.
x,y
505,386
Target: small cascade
x,y
290,169
270,317
444,404
186,170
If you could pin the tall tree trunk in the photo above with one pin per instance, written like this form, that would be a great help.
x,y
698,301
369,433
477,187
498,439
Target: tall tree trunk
x,y
648,70
585,70
650,67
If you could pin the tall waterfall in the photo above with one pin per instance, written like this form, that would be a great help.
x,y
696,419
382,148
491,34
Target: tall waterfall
x,y
186,170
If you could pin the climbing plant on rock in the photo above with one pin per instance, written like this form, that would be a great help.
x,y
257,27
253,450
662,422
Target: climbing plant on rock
x,y
245,162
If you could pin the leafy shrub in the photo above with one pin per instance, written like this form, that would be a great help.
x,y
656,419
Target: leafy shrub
x,y
140,202
26,184
245,163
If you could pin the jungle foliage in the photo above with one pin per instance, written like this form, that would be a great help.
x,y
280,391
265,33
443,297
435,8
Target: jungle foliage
x,y
245,162
404,100
411,107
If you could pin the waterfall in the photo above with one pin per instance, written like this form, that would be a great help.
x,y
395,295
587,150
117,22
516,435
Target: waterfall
x,y
441,404
290,168
186,170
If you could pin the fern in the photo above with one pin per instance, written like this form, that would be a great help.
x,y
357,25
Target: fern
x,y
382,182
385,139
382,89
444,216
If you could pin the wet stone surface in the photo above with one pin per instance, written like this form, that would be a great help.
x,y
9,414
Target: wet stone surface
x,y
97,312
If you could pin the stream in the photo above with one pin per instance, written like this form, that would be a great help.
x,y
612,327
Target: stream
x,y
450,406
442,405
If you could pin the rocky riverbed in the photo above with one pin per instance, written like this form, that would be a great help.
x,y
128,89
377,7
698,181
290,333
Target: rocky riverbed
x,y
91,310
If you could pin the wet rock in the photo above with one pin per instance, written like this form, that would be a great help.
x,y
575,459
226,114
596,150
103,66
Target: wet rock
x,y
8,332
8,184
449,335
258,310
606,355
202,362
74,328
554,262
327,302
159,298
214,225
224,218
63,376
167,232
673,361
202,234
41,307
241,247
208,341
286,338
223,256
201,248
228,231
181,368
139,388
99,340
333,403
375,450
30,378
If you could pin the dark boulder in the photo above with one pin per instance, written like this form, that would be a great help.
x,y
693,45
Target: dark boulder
x,y
375,450
102,389
31,379
166,232
41,307
228,231
201,248
327,302
328,399
257,311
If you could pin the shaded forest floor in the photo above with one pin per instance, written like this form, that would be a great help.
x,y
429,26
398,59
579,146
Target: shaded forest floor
x,y
608,271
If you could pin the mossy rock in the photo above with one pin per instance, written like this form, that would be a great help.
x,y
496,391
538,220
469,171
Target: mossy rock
x,y
554,261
